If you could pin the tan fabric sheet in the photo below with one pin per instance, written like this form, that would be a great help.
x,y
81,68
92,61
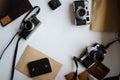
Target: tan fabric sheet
x,y
106,16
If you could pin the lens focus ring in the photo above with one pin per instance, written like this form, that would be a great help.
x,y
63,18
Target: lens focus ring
x,y
81,12
28,26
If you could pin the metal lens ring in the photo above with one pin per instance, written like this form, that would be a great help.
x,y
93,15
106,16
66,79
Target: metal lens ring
x,y
98,57
81,12
28,26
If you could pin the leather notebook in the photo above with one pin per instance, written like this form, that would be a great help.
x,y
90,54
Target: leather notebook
x,y
39,67
99,71
12,9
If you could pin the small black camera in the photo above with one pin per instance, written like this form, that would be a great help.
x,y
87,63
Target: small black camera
x,y
92,54
54,4
28,26
81,9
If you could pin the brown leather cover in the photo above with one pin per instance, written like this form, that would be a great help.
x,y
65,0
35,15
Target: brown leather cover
x,y
83,76
99,71
2,7
70,76
106,16
12,9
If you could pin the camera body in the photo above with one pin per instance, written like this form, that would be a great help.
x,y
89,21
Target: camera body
x,y
92,54
28,26
54,4
82,13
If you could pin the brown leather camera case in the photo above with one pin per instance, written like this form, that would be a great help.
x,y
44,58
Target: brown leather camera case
x,y
12,9
98,70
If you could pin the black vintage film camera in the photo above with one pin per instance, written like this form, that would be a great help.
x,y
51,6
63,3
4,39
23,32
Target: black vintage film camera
x,y
92,54
28,26
81,9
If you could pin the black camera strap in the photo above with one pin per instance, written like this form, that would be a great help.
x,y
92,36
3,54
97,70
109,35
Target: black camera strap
x,y
22,22
7,46
16,48
14,59
27,15
112,42
117,39
76,64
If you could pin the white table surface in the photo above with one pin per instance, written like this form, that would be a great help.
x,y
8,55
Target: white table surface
x,y
57,37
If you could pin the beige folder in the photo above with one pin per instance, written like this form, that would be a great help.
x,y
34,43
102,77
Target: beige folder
x,y
106,16
31,54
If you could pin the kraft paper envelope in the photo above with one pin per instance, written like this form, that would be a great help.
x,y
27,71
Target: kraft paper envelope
x,y
31,54
106,16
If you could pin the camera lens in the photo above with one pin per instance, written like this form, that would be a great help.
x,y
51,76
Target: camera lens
x,y
98,57
81,12
28,26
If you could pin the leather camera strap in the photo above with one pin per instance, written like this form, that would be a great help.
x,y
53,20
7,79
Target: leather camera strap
x,y
14,59
16,48
76,72
112,42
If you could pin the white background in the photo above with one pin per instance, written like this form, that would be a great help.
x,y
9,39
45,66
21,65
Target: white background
x,y
57,37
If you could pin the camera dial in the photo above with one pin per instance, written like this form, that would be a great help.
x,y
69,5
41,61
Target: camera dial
x,y
81,12
86,2
28,26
